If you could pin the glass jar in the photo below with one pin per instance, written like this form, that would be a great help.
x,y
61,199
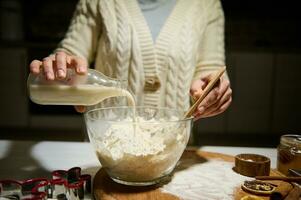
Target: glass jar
x,y
289,153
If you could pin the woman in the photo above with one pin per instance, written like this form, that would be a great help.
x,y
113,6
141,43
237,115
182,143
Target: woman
x,y
163,67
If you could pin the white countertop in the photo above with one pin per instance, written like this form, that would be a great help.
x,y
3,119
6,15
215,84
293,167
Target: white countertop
x,y
27,159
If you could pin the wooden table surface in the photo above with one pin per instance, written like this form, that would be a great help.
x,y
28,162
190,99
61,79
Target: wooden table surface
x,y
106,189
30,159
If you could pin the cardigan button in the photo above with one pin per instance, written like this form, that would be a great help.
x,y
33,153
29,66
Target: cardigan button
x,y
152,84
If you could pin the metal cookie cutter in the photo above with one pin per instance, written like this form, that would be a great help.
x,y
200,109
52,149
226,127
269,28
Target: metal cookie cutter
x,y
31,189
64,185
70,184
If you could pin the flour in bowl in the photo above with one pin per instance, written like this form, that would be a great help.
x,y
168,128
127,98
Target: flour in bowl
x,y
141,151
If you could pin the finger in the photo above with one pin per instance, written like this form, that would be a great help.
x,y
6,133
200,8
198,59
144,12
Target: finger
x,y
210,99
69,61
48,68
225,105
221,109
223,87
60,61
196,87
207,78
215,108
197,117
199,111
79,64
227,95
214,95
199,85
80,109
217,112
52,57
35,66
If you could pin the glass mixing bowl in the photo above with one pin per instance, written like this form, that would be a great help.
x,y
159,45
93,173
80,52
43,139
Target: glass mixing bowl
x,y
138,145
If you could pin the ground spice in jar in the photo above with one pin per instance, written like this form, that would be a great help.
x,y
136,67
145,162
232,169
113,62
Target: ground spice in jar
x,y
289,153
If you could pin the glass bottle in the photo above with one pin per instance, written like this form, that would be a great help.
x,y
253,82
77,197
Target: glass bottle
x,y
89,89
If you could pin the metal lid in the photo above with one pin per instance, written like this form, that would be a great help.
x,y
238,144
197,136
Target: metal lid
x,y
291,141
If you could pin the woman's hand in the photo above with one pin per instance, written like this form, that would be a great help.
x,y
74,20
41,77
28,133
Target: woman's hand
x,y
55,67
217,100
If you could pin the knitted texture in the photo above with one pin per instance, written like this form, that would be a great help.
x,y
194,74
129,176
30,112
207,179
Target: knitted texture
x,y
123,41
115,35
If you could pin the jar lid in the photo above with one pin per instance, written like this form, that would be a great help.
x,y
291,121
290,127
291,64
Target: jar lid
x,y
291,140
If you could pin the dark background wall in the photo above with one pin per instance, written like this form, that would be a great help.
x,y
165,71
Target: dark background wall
x,y
263,58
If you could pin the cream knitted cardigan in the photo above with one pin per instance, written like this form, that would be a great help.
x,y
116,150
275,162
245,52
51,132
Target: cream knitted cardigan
x,y
115,35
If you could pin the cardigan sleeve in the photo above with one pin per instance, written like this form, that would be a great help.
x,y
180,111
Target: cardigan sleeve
x,y
212,52
82,36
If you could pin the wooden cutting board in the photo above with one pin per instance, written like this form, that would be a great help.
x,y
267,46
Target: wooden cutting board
x,y
106,189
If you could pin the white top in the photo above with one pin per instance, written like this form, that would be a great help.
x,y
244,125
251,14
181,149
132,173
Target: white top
x,y
155,13
115,35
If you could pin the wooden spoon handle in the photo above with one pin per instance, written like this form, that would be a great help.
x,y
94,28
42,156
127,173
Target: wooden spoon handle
x,y
208,88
